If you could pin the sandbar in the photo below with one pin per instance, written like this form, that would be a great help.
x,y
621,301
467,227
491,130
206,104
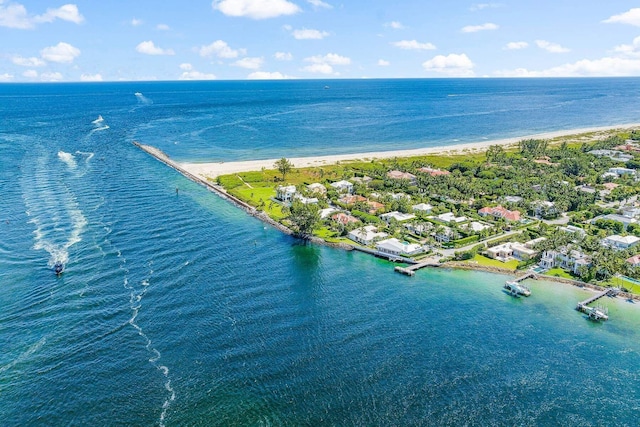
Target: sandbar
x,y
215,169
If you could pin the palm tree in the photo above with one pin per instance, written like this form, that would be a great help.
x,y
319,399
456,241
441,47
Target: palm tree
x,y
283,166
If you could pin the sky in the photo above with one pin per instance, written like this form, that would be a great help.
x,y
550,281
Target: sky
x,y
316,39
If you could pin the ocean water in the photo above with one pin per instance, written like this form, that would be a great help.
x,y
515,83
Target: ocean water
x,y
178,309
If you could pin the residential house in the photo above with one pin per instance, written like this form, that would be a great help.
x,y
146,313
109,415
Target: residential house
x,y
434,172
398,216
305,200
476,226
343,186
375,207
344,218
634,260
422,207
326,212
542,208
612,154
444,234
400,196
620,242
396,174
394,246
419,228
500,212
450,217
622,171
586,188
512,199
316,187
365,180
573,230
631,212
285,193
567,259
366,235
351,199
509,250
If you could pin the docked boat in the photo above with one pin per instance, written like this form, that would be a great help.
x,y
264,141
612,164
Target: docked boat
x,y
595,313
516,289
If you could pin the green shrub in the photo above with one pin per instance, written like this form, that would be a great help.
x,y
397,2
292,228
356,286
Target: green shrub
x,y
365,217
229,181
252,176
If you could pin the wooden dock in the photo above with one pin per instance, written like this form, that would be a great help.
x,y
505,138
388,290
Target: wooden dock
x,y
611,291
524,277
411,270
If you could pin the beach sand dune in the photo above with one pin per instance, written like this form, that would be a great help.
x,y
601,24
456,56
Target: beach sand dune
x,y
213,170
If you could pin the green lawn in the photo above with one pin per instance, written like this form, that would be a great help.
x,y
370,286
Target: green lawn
x,y
483,260
619,282
558,272
253,196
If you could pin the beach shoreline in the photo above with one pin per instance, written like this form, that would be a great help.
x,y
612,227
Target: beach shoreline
x,y
212,170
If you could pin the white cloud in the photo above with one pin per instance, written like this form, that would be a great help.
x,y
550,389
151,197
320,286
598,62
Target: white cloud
x,y
30,74
603,67
319,3
256,9
28,62
196,75
186,66
91,77
383,63
395,25
51,77
6,77
62,52
266,75
15,15
136,22
631,17
319,69
516,45
481,6
163,27
250,63
220,49
450,65
551,47
330,58
413,45
476,28
308,34
283,56
149,48
632,49
67,12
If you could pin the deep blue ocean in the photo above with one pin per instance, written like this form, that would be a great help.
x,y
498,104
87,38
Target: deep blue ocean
x,y
181,310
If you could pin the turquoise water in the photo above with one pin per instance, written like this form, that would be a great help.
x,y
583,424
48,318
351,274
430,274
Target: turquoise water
x,y
182,310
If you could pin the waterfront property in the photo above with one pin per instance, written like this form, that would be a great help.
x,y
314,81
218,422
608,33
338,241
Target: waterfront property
x,y
366,235
285,193
620,242
394,246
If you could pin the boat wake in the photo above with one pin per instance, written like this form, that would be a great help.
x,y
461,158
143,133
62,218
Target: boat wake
x,y
52,208
143,99
24,356
136,294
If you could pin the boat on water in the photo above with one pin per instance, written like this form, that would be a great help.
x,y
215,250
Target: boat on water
x,y
58,268
595,313
98,120
137,94
516,289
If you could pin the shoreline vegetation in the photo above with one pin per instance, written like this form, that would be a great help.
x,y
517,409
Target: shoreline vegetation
x,y
257,186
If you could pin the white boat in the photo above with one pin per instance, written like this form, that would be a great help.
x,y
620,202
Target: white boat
x,y
516,289
98,120
595,313
137,94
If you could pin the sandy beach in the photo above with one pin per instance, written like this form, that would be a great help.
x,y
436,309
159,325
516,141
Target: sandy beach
x,y
212,170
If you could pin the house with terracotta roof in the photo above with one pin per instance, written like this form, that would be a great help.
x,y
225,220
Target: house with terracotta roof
x,y
500,212
434,172
350,199
634,260
396,174
344,218
375,207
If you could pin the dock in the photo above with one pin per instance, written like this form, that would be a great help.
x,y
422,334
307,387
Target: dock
x,y
528,275
596,313
411,270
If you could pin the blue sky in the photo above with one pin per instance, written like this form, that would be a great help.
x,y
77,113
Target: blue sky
x,y
272,39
